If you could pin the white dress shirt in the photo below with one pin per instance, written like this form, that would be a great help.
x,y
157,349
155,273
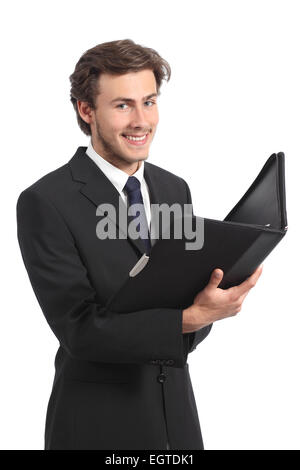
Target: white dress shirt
x,y
119,178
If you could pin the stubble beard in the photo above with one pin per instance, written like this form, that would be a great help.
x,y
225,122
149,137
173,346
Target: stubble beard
x,y
109,152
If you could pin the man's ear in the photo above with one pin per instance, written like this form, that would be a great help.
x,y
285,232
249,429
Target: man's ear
x,y
85,111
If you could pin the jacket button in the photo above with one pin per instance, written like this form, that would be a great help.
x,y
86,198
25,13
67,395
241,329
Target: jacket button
x,y
161,378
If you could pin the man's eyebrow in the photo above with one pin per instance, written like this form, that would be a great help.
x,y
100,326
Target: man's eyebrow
x,y
122,98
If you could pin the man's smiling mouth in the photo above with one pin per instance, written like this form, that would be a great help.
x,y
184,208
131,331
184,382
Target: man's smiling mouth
x,y
136,139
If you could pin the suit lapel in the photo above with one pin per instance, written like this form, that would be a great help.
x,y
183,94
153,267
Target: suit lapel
x,y
98,188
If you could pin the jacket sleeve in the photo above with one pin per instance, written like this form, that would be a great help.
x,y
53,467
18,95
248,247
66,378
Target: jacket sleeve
x,y
197,336
85,328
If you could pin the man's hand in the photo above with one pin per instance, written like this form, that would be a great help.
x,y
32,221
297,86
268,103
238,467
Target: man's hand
x,y
212,303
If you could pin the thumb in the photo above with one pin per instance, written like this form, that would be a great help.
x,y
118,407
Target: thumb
x,y
215,278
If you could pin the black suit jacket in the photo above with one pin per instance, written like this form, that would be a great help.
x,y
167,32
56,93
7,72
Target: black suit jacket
x,y
121,380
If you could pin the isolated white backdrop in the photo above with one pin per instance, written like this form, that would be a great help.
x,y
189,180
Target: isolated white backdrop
x,y
233,100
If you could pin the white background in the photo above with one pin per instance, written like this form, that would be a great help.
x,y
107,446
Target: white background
x,y
233,100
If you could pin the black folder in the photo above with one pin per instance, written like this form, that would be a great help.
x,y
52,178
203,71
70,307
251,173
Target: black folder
x,y
171,276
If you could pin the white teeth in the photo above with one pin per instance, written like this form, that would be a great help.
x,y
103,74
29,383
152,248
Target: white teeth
x,y
135,138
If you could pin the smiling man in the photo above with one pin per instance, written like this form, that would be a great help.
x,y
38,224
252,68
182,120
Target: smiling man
x,y
121,380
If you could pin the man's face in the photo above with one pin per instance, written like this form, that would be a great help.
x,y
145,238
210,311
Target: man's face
x,y
115,118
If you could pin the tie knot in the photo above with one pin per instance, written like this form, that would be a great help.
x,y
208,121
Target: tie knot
x,y
132,184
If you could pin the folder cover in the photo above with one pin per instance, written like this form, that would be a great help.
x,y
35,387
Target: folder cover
x,y
171,276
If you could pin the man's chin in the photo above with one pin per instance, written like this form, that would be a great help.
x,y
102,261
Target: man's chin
x,y
134,158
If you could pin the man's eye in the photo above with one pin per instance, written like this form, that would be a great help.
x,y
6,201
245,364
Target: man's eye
x,y
153,102
124,104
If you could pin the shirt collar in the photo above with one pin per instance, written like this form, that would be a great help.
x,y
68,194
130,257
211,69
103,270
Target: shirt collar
x,y
117,177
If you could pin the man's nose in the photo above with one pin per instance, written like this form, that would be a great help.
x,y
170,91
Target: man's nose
x,y
139,118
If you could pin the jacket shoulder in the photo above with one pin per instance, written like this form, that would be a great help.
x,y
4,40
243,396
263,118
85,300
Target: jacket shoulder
x,y
50,184
52,178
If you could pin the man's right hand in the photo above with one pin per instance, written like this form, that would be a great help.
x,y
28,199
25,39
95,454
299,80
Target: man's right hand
x,y
212,303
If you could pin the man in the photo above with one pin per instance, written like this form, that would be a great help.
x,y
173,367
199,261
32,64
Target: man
x,y
121,380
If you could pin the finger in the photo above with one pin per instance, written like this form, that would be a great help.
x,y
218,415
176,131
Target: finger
x,y
257,272
215,278
242,297
250,282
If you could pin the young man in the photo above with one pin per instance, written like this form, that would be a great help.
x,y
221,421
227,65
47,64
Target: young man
x,y
121,380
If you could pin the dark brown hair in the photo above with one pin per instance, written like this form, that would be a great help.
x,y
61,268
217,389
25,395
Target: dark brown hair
x,y
117,58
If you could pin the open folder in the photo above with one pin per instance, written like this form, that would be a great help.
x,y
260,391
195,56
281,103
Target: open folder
x,y
171,276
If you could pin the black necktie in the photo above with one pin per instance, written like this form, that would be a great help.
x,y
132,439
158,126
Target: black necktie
x,y
132,188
